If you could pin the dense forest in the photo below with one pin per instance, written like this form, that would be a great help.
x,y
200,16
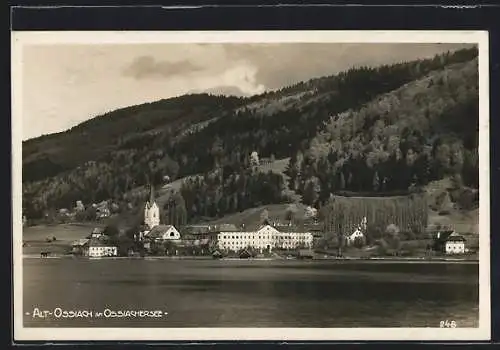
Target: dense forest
x,y
422,132
371,130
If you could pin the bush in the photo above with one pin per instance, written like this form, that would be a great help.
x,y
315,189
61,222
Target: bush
x,y
358,242
392,230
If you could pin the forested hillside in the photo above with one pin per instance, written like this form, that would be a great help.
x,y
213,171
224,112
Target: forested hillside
x,y
348,132
423,131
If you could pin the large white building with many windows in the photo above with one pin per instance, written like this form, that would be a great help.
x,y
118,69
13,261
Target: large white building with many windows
x,y
264,238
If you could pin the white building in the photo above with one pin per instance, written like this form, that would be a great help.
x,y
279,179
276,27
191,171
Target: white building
x,y
265,238
98,249
151,212
355,235
455,244
97,233
358,234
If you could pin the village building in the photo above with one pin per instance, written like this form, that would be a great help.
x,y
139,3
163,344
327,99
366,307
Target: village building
x,y
79,206
97,232
264,238
102,210
153,231
151,211
449,242
163,233
317,229
98,248
358,233
94,247
80,247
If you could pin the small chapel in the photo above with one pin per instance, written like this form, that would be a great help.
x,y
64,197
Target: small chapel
x,y
151,211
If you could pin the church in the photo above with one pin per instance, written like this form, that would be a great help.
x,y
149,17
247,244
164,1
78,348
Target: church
x,y
154,230
151,211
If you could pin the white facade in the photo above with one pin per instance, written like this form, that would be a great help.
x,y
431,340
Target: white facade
x,y
151,215
455,247
163,233
266,238
355,235
100,251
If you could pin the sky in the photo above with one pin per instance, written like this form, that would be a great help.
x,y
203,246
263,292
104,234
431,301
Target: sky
x,y
64,85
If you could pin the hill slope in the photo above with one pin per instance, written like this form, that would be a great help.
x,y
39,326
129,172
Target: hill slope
x,y
114,156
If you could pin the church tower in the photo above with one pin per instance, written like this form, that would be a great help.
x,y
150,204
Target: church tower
x,y
151,211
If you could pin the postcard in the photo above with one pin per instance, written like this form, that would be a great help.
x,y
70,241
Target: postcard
x,y
281,185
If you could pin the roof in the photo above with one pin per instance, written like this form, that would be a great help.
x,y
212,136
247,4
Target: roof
x,y
314,227
197,229
288,229
455,238
443,235
227,228
158,231
94,242
80,242
98,230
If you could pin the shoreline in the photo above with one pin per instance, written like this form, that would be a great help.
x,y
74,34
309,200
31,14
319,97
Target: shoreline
x,y
334,259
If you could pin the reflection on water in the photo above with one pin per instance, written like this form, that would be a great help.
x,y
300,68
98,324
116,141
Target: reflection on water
x,y
252,293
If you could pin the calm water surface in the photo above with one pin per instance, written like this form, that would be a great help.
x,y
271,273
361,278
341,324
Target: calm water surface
x,y
209,293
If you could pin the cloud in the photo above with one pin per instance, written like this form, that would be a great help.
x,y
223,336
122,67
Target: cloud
x,y
64,85
145,67
222,90
281,65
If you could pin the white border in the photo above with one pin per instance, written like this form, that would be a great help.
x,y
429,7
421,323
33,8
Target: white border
x,y
19,39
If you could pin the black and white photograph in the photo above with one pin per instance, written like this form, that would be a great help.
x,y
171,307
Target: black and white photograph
x,y
280,185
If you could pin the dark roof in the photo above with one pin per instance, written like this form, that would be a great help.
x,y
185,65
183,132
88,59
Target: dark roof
x,y
314,227
443,235
95,242
288,229
455,238
80,242
197,229
158,231
227,228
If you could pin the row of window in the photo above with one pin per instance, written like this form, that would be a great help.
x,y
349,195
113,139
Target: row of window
x,y
266,237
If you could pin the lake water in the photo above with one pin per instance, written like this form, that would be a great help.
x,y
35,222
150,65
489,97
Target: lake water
x,y
241,293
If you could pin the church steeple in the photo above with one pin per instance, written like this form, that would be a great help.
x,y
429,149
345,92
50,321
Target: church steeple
x,y
151,210
151,194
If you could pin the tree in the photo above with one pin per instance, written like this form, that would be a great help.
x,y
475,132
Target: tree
x,y
342,181
111,230
376,182
392,230
310,195
264,217
290,213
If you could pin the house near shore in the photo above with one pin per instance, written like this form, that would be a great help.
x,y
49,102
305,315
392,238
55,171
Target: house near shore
x,y
98,248
358,233
449,242
265,237
80,247
163,233
97,232
93,247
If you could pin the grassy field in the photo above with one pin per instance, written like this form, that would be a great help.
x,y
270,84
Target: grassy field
x,y
35,237
252,216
